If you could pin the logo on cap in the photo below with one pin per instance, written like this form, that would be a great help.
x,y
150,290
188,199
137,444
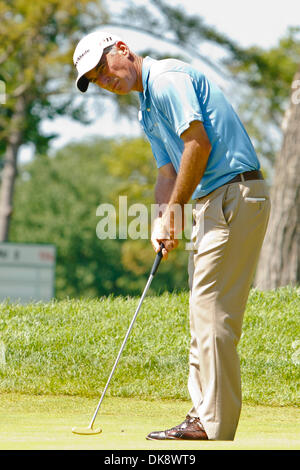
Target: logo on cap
x,y
80,56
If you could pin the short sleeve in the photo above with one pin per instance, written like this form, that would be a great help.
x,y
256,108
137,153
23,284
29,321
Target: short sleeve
x,y
175,97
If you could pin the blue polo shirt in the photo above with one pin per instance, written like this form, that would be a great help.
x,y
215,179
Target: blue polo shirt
x,y
174,95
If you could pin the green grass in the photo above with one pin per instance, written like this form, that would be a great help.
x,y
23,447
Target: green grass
x,y
69,347
45,422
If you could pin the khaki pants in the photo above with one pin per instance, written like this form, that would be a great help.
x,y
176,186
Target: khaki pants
x,y
229,228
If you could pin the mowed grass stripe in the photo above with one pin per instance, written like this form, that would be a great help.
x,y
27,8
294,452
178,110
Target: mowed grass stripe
x,y
45,422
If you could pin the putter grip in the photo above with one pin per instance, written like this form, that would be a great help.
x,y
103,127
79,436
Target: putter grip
x,y
157,260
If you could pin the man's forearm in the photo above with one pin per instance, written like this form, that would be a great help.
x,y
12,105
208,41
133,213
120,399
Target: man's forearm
x,y
164,189
180,189
192,168
194,159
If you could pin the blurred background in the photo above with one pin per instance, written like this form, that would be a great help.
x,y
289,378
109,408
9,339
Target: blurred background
x,y
62,154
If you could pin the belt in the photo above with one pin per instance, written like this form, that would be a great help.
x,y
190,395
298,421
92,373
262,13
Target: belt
x,y
247,175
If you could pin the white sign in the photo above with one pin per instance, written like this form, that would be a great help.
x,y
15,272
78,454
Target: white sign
x,y
27,272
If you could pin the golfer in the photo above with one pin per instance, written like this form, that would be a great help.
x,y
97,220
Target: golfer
x,y
203,153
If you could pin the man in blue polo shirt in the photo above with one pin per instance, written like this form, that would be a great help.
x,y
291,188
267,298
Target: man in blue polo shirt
x,y
203,153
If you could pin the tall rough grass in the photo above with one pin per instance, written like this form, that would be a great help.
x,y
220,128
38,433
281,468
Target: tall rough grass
x,y
69,347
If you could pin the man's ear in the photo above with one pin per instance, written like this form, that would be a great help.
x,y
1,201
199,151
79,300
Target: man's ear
x,y
122,48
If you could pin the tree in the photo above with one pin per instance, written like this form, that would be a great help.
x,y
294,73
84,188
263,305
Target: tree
x,y
279,263
57,199
36,41
273,120
263,102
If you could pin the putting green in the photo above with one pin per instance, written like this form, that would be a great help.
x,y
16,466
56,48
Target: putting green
x,y
46,422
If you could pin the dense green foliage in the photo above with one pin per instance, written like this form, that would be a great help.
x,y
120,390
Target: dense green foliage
x,y
69,347
56,202
263,103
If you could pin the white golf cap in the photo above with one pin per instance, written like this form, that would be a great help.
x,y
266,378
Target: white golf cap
x,y
88,53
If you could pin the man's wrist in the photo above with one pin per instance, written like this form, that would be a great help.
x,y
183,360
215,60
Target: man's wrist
x,y
161,229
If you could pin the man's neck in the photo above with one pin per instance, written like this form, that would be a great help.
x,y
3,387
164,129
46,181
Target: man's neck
x,y
139,68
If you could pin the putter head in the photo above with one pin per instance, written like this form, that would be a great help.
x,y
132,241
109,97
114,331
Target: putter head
x,y
86,431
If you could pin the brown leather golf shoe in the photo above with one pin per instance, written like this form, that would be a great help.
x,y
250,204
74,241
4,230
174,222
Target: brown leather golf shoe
x,y
191,429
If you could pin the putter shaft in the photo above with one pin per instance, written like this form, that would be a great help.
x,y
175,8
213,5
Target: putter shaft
x,y
152,274
121,349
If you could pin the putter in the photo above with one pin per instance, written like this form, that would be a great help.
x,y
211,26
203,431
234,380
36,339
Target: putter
x,y
90,429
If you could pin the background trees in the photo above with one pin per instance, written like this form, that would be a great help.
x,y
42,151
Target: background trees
x,y
56,201
57,196
280,258
36,42
271,113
